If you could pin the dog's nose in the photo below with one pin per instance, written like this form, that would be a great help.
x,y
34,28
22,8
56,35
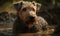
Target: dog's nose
x,y
31,17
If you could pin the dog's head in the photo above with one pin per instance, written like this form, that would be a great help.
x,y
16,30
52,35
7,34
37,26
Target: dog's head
x,y
27,11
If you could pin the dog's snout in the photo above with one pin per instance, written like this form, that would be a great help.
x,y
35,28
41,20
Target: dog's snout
x,y
31,17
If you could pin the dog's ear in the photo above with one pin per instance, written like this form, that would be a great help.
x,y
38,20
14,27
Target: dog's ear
x,y
18,6
38,6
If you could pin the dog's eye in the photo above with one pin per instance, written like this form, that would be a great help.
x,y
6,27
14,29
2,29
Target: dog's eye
x,y
24,9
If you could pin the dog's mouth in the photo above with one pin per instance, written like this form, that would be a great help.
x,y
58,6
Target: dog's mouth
x,y
30,23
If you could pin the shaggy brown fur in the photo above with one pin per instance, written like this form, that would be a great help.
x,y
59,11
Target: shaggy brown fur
x,y
27,20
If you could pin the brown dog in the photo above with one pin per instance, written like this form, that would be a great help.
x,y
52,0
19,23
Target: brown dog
x,y
27,20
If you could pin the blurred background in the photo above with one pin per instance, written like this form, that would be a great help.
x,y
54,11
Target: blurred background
x,y
50,11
